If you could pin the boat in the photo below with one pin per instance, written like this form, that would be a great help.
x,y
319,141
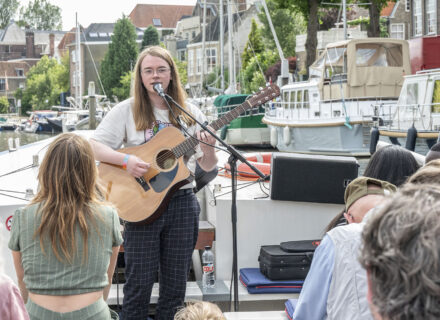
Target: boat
x,y
247,129
38,121
333,112
417,113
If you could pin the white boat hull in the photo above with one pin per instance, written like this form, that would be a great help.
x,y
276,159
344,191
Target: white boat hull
x,y
330,140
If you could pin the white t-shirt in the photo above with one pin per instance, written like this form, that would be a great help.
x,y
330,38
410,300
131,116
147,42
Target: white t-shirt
x,y
118,129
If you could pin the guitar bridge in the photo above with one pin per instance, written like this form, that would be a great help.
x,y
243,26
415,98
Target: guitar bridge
x,y
143,183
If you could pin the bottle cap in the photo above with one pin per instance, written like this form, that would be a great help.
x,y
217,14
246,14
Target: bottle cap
x,y
207,248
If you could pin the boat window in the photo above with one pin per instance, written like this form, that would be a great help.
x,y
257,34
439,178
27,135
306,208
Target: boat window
x,y
412,93
379,55
292,99
306,104
436,97
335,61
286,98
299,99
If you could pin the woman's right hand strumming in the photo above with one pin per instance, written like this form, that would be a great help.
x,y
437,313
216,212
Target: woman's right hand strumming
x,y
136,167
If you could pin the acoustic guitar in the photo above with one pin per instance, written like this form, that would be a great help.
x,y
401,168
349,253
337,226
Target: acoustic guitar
x,y
142,200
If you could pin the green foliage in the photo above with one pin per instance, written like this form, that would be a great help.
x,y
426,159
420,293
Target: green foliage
x,y
44,83
8,8
364,22
182,70
287,24
151,37
123,91
254,45
41,15
213,78
120,57
4,104
252,76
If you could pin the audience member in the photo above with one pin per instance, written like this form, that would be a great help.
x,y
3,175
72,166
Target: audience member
x,y
433,153
335,287
201,310
11,303
391,163
65,242
428,174
401,253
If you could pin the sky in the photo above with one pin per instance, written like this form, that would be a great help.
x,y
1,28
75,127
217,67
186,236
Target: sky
x,y
100,11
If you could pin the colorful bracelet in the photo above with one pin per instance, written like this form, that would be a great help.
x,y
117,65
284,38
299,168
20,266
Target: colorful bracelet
x,y
125,161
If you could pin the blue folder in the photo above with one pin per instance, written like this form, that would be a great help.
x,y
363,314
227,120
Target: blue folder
x,y
256,282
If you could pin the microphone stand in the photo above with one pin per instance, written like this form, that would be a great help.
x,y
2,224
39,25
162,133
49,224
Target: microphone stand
x,y
233,158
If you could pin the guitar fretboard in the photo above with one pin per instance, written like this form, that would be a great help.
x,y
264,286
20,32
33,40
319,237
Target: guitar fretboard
x,y
264,96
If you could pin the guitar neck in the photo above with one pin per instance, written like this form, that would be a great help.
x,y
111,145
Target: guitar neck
x,y
191,142
263,96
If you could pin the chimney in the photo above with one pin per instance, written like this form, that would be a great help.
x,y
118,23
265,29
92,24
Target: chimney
x,y
30,44
52,45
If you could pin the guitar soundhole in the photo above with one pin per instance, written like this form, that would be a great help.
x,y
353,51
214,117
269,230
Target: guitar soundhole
x,y
165,159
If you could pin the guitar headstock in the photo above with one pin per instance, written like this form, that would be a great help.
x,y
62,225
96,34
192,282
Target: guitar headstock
x,y
270,92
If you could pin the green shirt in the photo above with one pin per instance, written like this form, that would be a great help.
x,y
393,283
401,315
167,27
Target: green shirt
x,y
45,274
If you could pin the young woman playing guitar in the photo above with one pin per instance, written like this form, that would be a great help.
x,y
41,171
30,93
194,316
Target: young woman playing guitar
x,y
168,242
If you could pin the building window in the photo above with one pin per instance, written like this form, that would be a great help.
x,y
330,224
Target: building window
x,y
19,72
156,22
2,85
93,35
211,59
417,17
199,57
181,55
190,62
431,17
407,5
397,30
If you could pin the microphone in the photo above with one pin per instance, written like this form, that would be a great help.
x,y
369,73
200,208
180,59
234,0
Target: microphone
x,y
158,88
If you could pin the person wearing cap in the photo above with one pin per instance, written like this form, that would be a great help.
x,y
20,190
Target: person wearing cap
x,y
336,286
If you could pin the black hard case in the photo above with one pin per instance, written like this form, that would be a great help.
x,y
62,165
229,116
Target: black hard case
x,y
277,264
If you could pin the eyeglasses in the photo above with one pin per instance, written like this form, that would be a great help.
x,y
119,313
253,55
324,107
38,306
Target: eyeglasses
x,y
159,71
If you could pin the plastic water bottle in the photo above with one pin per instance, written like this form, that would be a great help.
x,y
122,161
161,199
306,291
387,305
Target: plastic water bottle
x,y
208,280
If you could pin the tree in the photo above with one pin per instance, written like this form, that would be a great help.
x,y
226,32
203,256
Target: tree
x,y
287,25
274,70
182,67
4,104
253,76
254,45
123,92
44,83
41,15
120,57
151,37
309,9
374,9
8,8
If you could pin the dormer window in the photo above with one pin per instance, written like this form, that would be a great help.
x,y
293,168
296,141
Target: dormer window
x,y
93,35
19,72
157,22
103,34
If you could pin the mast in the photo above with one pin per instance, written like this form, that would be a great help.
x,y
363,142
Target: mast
x,y
232,83
203,47
284,62
222,40
78,88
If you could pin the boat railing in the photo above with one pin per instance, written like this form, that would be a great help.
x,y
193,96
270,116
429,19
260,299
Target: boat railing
x,y
324,110
423,116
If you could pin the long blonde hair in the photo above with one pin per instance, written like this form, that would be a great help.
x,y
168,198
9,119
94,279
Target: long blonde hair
x,y
67,194
142,109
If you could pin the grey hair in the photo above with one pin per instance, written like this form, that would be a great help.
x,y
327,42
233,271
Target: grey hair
x,y
401,252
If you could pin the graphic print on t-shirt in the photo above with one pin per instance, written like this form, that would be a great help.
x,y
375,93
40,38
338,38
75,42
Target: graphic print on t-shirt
x,y
156,127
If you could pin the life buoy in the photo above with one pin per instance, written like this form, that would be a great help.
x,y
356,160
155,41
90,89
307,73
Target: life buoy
x,y
260,160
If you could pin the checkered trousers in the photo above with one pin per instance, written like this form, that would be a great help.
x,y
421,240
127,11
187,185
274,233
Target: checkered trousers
x,y
166,244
